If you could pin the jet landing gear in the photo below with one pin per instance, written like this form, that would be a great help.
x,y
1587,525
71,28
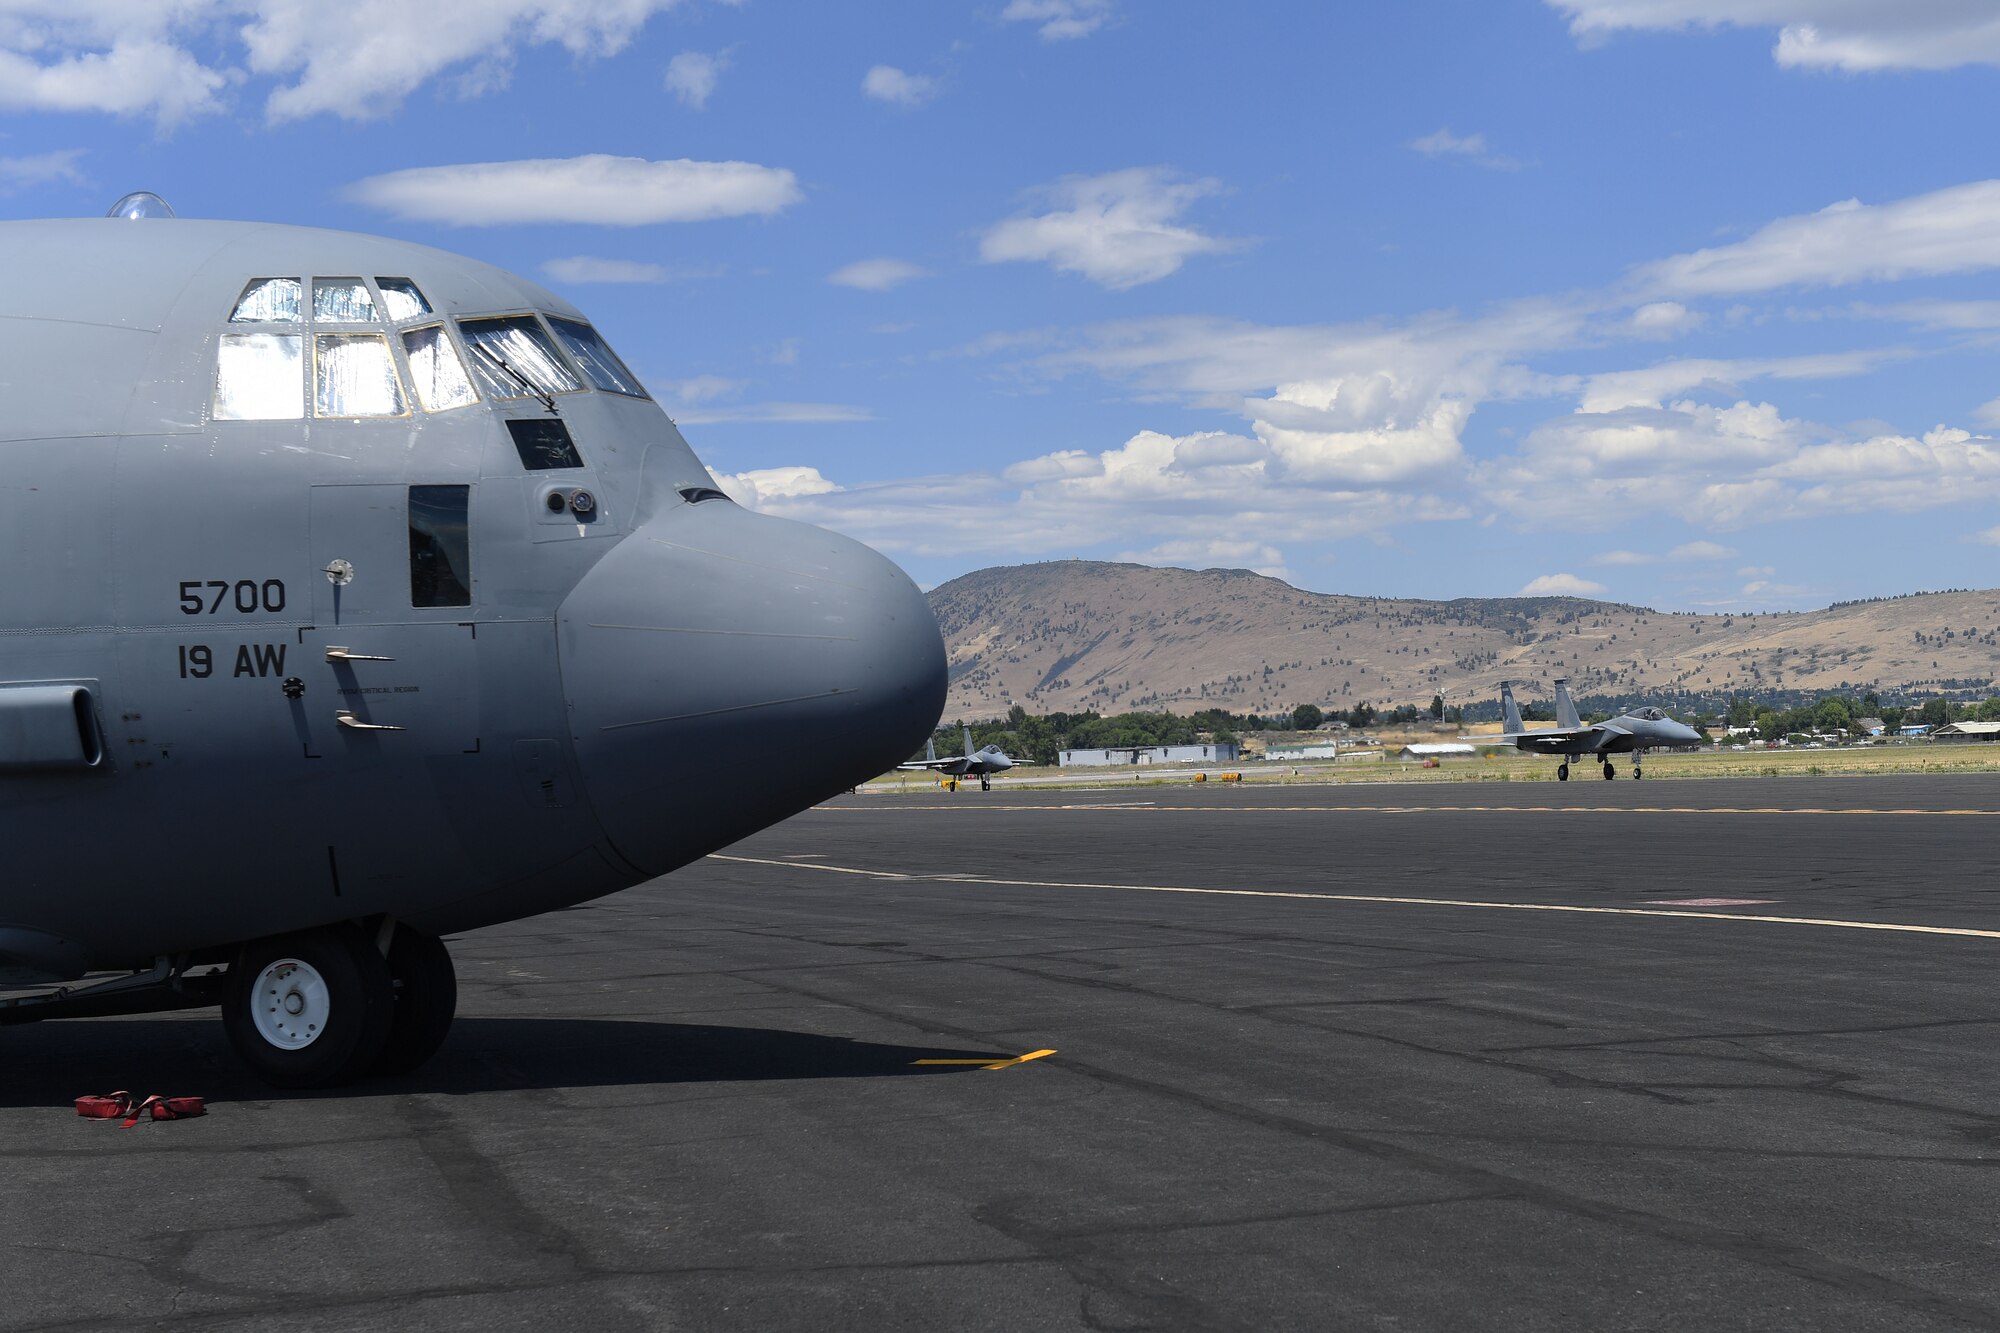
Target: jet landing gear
x,y
985,783
325,1006
1609,771
1562,771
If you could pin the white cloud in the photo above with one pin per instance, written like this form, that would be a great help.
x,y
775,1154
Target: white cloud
x,y
875,275
173,60
775,414
1664,319
1756,571
762,487
578,269
21,173
1472,147
132,76
1701,551
610,191
1624,558
1561,585
1854,35
701,389
1256,557
1061,20
886,83
1651,386
692,76
1954,230
360,60
1988,413
1990,537
1116,229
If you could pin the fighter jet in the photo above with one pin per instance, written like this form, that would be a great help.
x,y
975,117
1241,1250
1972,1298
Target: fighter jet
x,y
1633,733
360,595
981,764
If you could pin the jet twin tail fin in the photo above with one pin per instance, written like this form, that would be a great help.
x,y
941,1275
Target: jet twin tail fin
x,y
968,742
1510,712
1565,709
930,750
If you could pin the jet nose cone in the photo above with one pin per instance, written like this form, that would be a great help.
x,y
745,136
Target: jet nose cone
x,y
725,670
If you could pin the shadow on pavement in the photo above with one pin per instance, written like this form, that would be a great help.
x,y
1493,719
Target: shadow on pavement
x,y
49,1064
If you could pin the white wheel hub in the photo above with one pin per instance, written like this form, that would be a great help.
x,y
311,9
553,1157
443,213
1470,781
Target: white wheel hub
x,y
289,1004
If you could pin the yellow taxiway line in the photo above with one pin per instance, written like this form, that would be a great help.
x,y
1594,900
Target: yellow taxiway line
x,y
987,1062
1963,932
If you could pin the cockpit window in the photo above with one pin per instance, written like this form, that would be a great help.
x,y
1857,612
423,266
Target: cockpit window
x,y
268,301
402,298
515,359
600,364
342,301
441,381
1652,714
354,376
259,377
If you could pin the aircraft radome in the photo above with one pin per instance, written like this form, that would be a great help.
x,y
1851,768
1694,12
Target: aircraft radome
x,y
359,594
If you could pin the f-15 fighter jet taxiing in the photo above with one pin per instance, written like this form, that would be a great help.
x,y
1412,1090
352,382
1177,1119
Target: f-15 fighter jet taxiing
x,y
982,763
1632,733
361,595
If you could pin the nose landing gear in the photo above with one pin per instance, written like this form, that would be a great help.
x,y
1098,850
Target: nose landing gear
x,y
320,1007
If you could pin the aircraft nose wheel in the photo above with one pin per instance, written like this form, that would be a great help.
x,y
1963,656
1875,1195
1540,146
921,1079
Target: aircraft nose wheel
x,y
311,1009
985,785
1637,773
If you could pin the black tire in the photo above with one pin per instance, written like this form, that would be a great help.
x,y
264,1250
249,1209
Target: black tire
x,y
1609,772
348,974
426,996
1562,772
1637,773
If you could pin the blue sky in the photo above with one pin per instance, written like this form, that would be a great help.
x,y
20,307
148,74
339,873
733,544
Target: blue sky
x,y
1692,303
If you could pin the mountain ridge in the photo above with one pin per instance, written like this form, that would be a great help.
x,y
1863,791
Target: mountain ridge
x,y
1076,635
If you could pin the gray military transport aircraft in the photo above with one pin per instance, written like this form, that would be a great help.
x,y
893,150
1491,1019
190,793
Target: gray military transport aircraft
x,y
1632,733
361,594
982,763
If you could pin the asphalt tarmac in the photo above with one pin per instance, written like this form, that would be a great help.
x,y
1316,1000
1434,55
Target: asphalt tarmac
x,y
1451,1057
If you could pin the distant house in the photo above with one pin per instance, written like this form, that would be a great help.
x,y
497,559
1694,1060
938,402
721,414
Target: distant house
x,y
1870,726
1914,729
1968,731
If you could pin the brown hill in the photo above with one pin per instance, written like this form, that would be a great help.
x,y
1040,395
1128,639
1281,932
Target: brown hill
x,y
1069,635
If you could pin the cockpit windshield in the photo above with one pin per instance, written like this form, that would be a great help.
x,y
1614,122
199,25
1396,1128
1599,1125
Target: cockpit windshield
x,y
515,359
1652,715
600,364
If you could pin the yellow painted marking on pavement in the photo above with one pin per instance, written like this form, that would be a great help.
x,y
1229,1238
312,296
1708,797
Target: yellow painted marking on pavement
x,y
996,808
985,1062
1962,932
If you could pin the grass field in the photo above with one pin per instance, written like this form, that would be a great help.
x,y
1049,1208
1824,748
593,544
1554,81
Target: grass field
x,y
1974,757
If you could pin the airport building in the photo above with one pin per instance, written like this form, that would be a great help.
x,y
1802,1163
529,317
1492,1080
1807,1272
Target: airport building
x,y
1148,754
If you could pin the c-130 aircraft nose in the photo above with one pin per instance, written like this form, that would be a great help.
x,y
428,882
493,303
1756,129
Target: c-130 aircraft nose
x,y
774,663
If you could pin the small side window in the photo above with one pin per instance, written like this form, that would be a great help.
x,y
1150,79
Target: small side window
x,y
259,377
402,298
543,443
440,546
440,376
268,301
354,376
342,301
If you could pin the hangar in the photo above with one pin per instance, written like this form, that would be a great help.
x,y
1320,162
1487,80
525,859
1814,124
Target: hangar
x,y
1148,754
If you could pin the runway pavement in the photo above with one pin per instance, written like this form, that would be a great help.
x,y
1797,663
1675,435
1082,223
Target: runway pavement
x,y
1656,1055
